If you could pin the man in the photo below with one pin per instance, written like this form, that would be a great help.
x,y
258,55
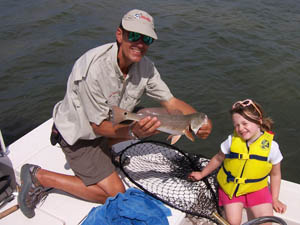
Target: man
x,y
112,74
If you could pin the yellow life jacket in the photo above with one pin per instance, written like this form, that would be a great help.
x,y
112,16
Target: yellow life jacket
x,y
246,169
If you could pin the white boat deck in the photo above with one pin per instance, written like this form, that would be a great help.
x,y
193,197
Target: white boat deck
x,y
61,208
290,195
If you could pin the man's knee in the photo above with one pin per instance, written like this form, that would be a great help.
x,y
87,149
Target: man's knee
x,y
112,184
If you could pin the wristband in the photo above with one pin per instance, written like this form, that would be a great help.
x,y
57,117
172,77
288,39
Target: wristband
x,y
131,134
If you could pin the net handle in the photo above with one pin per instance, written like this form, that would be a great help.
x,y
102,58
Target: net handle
x,y
220,219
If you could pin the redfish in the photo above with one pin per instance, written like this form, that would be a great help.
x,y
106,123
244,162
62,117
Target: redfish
x,y
174,124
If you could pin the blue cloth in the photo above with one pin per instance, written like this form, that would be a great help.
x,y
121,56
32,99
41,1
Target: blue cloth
x,y
134,207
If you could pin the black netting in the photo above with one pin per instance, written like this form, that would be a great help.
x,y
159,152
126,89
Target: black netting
x,y
161,170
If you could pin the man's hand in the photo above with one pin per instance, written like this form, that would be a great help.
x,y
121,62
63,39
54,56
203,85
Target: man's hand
x,y
205,130
174,104
146,127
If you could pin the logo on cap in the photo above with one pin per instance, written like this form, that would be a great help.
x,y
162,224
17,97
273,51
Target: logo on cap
x,y
140,16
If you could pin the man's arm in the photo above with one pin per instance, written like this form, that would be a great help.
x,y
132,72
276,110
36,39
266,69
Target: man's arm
x,y
176,104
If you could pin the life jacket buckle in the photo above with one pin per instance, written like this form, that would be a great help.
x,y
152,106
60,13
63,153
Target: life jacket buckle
x,y
243,156
239,180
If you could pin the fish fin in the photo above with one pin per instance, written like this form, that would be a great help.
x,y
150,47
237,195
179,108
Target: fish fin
x,y
189,134
118,115
174,138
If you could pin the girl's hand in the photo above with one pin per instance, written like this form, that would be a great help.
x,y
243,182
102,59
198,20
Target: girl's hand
x,y
195,176
278,206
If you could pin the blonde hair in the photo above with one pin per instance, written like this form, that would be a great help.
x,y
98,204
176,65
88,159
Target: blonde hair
x,y
250,112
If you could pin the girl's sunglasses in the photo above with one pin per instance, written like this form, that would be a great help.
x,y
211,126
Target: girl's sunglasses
x,y
134,37
246,103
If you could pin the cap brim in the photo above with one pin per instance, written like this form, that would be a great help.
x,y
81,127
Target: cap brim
x,y
137,27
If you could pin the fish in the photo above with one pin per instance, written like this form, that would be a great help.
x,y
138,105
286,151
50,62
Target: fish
x,y
175,123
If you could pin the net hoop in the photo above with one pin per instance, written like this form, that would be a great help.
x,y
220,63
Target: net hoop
x,y
135,150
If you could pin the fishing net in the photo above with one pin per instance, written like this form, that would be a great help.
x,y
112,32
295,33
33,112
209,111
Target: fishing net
x,y
161,170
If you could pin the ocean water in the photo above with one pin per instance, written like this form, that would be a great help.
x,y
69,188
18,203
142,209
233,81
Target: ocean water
x,y
210,53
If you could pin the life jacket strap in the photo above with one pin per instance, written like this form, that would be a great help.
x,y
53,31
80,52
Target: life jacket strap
x,y
240,180
233,155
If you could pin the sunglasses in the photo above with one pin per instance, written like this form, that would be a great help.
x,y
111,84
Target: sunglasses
x,y
134,37
246,103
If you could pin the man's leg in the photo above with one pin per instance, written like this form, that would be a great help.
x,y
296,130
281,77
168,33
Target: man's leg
x,y
35,181
99,192
95,177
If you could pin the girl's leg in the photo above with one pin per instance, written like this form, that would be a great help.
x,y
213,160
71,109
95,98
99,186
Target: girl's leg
x,y
233,212
250,215
260,210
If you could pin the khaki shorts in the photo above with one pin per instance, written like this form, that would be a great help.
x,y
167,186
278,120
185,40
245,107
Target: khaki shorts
x,y
89,159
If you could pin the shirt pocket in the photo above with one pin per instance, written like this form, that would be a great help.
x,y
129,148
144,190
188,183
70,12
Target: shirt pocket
x,y
131,98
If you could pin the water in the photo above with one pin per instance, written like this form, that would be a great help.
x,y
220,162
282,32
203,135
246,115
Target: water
x,y
211,53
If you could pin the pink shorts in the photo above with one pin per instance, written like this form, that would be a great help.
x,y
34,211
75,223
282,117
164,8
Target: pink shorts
x,y
249,200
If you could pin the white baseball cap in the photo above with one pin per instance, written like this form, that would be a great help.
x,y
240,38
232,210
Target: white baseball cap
x,y
139,21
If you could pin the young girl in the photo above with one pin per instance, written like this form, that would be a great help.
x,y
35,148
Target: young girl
x,y
247,158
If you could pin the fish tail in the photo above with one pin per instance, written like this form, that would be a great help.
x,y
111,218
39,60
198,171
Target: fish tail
x,y
118,115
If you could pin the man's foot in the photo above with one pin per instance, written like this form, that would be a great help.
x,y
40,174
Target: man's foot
x,y
32,192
